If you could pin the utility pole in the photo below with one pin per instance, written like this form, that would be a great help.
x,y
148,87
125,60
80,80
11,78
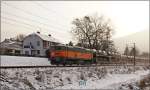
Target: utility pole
x,y
134,51
134,54
149,58
126,52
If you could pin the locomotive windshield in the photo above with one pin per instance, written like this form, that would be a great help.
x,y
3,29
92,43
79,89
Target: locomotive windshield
x,y
79,49
57,47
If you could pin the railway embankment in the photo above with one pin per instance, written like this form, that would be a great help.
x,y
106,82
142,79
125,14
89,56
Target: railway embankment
x,y
68,77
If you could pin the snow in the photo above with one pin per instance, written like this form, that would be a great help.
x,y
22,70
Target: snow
x,y
46,37
22,61
117,79
12,44
101,77
69,78
111,81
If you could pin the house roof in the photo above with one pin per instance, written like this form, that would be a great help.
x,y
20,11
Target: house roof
x,y
47,38
11,45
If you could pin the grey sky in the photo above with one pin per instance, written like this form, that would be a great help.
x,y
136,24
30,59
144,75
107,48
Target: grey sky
x,y
55,17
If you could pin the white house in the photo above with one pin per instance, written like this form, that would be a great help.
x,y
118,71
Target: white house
x,y
11,47
37,44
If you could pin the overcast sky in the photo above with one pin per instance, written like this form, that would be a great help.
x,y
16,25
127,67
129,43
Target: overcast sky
x,y
55,17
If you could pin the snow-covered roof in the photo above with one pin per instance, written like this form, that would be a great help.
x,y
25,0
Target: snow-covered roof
x,y
11,45
47,38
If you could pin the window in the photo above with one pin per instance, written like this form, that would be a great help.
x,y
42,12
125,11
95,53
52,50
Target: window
x,y
27,52
17,51
45,44
26,46
38,43
58,48
38,51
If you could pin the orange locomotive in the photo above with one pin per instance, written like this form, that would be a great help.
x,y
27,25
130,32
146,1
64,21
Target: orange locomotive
x,y
71,55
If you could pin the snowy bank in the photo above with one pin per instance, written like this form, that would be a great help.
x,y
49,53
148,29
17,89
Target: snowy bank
x,y
110,82
69,77
22,61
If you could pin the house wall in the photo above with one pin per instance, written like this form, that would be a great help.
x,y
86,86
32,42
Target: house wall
x,y
33,39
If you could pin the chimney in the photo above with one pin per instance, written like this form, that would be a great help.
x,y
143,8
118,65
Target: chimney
x,y
38,32
49,35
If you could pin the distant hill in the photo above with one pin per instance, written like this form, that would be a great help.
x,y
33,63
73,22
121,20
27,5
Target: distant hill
x,y
141,39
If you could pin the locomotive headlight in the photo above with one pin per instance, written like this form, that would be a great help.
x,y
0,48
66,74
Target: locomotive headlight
x,y
53,54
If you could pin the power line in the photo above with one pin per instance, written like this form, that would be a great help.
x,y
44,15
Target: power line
x,y
6,22
23,26
25,23
27,12
45,8
31,20
17,21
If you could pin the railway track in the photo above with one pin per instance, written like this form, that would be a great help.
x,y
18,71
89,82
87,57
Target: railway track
x,y
61,66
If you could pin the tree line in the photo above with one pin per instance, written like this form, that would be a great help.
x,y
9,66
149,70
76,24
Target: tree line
x,y
135,51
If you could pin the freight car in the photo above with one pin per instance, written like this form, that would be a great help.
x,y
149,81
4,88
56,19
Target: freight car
x,y
61,54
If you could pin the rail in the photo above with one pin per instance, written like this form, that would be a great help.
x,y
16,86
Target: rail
x,y
61,66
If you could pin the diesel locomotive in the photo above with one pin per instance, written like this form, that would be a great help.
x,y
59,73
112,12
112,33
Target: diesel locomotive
x,y
62,54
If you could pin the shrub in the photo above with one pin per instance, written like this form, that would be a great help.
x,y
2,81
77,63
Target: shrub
x,y
27,82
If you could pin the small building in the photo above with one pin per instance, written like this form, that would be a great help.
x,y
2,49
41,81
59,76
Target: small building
x,y
37,44
11,47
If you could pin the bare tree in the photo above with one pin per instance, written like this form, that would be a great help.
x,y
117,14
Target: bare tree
x,y
126,51
93,32
20,37
70,43
134,51
145,54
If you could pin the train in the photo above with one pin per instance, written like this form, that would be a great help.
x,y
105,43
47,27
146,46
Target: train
x,y
68,55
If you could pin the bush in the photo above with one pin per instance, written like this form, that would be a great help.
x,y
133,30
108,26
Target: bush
x,y
145,82
82,76
27,82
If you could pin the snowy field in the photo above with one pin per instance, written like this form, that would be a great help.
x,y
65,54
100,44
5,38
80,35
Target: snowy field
x,y
101,78
22,61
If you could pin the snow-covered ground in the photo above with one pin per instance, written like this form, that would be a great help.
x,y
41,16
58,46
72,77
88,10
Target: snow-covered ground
x,y
22,61
103,77
70,78
110,81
